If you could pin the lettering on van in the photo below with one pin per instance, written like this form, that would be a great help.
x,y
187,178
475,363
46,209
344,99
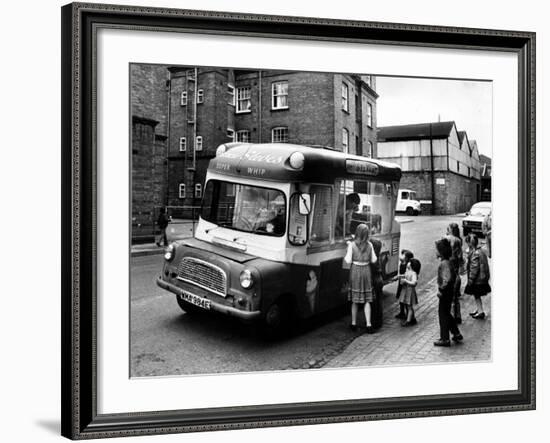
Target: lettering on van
x,y
255,171
361,167
254,156
223,166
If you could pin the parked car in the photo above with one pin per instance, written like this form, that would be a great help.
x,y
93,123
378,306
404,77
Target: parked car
x,y
407,202
473,222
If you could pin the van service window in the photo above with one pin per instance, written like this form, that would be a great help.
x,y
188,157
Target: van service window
x,y
245,208
365,202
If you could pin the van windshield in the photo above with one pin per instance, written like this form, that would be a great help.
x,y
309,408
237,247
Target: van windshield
x,y
245,208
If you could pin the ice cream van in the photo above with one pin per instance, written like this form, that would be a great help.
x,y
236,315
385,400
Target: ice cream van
x,y
273,230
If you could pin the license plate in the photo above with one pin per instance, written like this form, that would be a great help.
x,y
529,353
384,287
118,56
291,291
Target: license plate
x,y
196,300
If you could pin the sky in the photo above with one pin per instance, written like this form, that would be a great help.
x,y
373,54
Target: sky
x,y
404,101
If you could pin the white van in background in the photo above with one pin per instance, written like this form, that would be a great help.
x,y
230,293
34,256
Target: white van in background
x,y
407,202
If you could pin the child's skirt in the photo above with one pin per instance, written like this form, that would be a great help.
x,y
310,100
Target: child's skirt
x,y
408,295
360,284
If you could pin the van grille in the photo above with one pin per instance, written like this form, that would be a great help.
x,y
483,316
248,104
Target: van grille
x,y
203,274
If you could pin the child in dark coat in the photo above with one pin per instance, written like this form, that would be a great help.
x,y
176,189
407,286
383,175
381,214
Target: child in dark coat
x,y
446,277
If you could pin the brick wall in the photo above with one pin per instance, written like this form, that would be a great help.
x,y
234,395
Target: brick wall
x,y
149,94
456,195
309,116
213,117
148,176
149,111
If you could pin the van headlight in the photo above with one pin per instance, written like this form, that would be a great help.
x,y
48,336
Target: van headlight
x,y
246,279
170,252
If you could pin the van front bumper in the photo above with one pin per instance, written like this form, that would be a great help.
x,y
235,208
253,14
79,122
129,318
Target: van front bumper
x,y
247,316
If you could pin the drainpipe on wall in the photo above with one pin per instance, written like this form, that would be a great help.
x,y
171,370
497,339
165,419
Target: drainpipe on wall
x,y
432,170
259,106
166,186
195,126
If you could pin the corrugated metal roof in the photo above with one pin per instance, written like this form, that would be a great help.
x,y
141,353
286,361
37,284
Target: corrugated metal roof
x,y
415,131
485,159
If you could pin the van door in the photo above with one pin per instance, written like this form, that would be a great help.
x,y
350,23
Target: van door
x,y
323,254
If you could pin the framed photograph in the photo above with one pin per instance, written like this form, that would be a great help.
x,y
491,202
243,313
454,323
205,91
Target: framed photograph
x,y
274,221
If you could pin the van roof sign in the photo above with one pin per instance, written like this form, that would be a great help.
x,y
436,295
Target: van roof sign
x,y
361,167
271,161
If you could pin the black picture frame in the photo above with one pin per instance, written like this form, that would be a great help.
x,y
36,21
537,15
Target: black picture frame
x,y
79,169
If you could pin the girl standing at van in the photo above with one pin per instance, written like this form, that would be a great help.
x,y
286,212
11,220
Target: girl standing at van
x,y
408,295
359,256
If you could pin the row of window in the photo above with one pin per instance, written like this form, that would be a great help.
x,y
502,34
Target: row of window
x,y
241,97
278,135
200,97
198,143
345,104
197,194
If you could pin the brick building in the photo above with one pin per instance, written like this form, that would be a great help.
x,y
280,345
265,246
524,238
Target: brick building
x,y
149,132
439,162
180,115
211,106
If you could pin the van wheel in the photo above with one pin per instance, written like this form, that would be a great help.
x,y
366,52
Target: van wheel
x,y
188,307
277,320
410,211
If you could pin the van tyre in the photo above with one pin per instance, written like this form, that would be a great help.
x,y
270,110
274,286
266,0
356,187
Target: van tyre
x,y
277,320
410,211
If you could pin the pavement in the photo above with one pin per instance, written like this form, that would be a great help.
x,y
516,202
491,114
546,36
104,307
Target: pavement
x,y
394,344
178,229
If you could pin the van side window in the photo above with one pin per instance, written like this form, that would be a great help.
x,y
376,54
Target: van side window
x,y
404,195
297,223
348,204
321,216
364,202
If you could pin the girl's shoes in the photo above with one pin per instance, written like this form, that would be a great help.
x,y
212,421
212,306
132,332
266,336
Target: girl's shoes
x,y
353,327
440,342
409,323
369,330
479,315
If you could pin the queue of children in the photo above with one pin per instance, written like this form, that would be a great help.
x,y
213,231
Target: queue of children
x,y
450,254
361,258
